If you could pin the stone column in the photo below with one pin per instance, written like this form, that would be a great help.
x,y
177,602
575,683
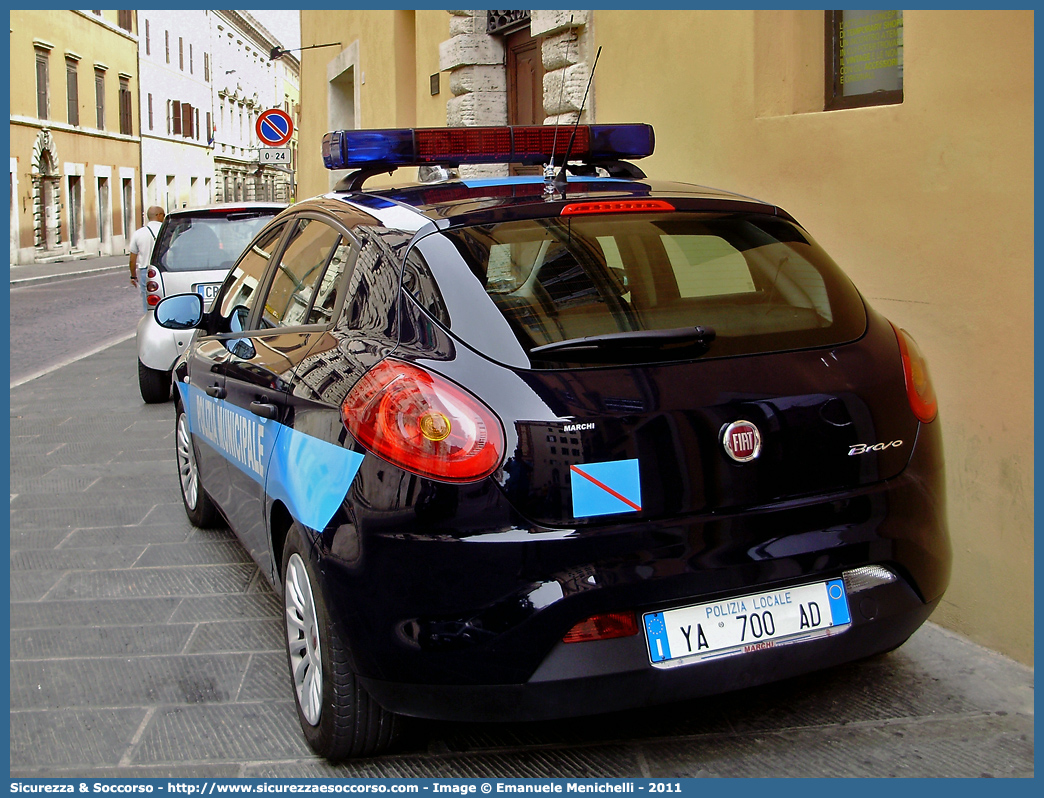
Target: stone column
x,y
478,80
564,49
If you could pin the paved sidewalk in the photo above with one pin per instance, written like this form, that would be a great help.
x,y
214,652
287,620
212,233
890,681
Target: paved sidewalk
x,y
142,647
31,273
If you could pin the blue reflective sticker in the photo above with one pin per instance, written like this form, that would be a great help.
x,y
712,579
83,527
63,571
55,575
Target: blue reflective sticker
x,y
838,603
311,476
605,488
656,633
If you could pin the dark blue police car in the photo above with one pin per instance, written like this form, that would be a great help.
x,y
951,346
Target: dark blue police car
x,y
533,447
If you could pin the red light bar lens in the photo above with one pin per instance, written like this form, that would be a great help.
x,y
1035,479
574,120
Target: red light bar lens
x,y
532,144
621,206
423,423
605,626
435,144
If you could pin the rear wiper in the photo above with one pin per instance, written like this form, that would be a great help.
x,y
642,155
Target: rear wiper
x,y
637,339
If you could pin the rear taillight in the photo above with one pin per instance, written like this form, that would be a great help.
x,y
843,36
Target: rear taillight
x,y
919,388
423,423
152,274
603,627
153,299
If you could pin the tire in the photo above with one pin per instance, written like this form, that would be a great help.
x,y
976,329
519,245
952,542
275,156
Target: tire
x,y
198,506
154,385
340,720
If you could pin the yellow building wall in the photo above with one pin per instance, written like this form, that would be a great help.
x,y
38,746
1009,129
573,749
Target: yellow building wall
x,y
77,33
70,32
927,205
398,52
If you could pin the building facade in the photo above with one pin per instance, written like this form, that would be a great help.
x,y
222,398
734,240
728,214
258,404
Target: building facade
x,y
174,53
75,181
903,140
247,82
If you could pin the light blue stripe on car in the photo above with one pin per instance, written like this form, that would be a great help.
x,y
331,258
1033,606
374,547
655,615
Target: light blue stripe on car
x,y
309,475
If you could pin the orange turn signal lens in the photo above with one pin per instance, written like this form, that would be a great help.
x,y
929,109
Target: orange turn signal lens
x,y
919,388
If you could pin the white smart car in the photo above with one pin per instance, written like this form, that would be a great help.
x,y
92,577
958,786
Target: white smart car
x,y
194,251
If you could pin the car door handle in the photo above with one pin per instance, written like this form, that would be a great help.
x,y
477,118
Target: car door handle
x,y
217,391
265,409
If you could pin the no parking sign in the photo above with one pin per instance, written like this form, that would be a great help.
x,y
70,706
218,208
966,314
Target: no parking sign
x,y
274,127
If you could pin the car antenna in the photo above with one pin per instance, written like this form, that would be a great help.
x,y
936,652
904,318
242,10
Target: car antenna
x,y
560,180
549,168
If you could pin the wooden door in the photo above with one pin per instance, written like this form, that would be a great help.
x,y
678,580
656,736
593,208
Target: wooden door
x,y
525,84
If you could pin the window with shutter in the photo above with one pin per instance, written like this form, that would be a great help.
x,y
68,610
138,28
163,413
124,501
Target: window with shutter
x,y
126,122
186,120
99,97
42,78
175,117
72,91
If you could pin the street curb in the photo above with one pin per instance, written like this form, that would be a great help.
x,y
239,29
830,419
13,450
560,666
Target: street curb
x,y
47,278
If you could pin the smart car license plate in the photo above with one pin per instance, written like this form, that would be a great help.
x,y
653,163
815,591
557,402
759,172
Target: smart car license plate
x,y
747,623
208,291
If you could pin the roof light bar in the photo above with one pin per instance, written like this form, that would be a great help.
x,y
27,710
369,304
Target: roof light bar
x,y
448,146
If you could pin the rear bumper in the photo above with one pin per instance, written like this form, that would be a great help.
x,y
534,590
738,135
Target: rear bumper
x,y
467,625
612,675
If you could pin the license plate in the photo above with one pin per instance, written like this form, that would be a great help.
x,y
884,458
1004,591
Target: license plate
x,y
208,291
747,623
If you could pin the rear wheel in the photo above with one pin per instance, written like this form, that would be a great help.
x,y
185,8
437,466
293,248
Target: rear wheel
x,y
198,506
338,717
153,384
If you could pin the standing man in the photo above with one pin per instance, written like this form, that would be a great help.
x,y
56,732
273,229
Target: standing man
x,y
141,244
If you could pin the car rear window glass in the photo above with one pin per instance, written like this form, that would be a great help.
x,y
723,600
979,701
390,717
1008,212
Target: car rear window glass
x,y
208,240
757,283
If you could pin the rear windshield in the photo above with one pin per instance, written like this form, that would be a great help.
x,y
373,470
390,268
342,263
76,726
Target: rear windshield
x,y
751,283
208,241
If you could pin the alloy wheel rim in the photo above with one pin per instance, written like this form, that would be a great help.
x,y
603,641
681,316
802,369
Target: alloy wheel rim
x,y
187,470
302,634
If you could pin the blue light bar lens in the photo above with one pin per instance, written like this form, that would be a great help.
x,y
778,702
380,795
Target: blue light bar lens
x,y
623,142
533,144
343,149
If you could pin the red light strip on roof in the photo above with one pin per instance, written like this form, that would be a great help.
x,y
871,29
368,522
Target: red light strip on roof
x,y
616,206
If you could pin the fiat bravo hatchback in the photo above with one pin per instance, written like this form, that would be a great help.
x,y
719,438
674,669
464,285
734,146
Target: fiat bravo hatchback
x,y
531,447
